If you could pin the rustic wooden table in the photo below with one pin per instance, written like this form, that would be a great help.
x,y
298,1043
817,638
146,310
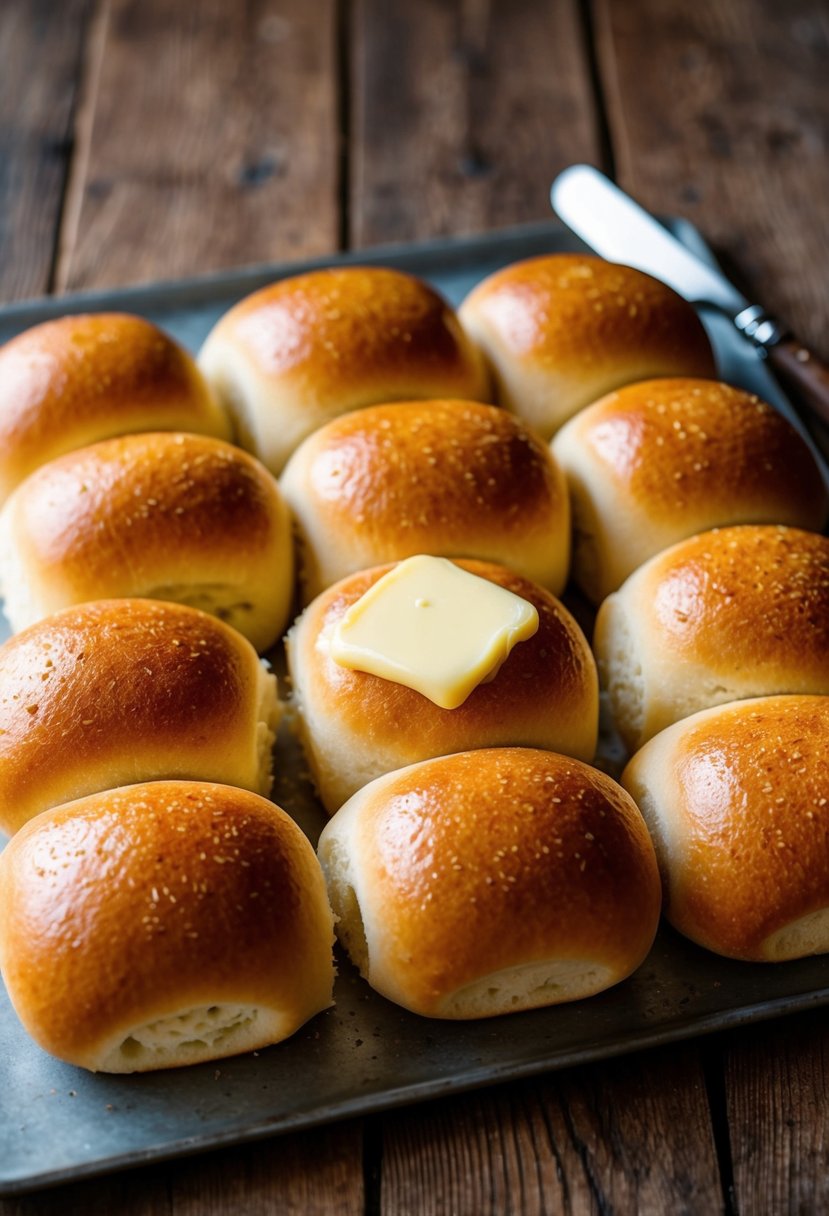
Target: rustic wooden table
x,y
149,139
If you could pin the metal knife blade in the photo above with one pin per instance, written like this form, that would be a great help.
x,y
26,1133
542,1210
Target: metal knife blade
x,y
620,230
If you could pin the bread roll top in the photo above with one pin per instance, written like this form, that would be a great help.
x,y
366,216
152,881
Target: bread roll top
x,y
356,725
655,462
69,382
124,690
297,353
560,330
451,478
480,863
734,612
137,905
166,515
737,800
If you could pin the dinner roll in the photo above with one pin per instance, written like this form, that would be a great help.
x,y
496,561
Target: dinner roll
x,y
69,382
452,478
167,516
163,924
737,801
127,690
731,613
492,881
294,355
561,330
354,726
658,461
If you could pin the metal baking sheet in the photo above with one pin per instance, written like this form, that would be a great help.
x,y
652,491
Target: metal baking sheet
x,y
59,1123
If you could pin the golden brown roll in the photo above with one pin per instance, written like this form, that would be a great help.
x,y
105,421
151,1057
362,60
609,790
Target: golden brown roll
x,y
732,613
561,330
167,516
120,691
737,801
292,356
70,382
492,881
451,478
163,924
661,460
355,726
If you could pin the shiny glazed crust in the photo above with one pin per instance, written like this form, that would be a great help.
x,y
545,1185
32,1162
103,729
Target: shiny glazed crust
x,y
731,613
450,478
355,726
167,516
492,881
72,381
125,912
659,461
120,691
737,800
296,354
562,330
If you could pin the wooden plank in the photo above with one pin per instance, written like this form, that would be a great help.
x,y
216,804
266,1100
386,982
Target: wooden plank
x,y
207,139
462,113
627,1136
316,1173
719,110
42,44
777,1086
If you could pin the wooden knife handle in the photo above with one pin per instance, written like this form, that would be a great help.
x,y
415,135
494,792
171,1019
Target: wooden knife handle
x,y
804,372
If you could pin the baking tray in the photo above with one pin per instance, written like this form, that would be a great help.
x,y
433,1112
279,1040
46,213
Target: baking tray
x,y
59,1123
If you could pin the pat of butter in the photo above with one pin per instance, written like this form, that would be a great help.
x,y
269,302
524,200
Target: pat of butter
x,y
433,627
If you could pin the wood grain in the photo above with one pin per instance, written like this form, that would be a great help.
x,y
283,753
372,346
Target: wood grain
x,y
41,43
462,113
316,1173
719,110
626,1136
206,139
777,1086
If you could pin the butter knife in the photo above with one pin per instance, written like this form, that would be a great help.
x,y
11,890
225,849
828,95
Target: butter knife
x,y
610,222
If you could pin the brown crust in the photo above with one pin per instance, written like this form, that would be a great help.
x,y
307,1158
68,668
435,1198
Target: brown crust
x,y
119,691
296,354
745,841
751,597
453,478
734,612
482,861
357,324
544,695
68,382
701,453
138,514
588,325
133,904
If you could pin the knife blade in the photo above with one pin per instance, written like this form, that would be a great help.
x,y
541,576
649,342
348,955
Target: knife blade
x,y
617,228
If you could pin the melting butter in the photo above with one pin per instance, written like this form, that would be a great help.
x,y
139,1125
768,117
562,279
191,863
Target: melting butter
x,y
434,627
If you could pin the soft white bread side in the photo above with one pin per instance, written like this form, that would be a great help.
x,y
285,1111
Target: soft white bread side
x,y
737,802
732,613
661,460
129,690
450,478
492,881
354,726
167,516
559,331
292,356
163,924
72,381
